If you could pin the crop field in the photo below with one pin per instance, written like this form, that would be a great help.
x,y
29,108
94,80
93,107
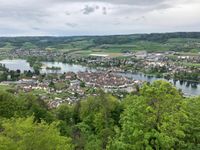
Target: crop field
x,y
180,42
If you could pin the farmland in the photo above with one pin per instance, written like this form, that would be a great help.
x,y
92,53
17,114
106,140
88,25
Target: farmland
x,y
86,45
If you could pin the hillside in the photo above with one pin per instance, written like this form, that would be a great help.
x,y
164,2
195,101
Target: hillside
x,y
180,41
156,117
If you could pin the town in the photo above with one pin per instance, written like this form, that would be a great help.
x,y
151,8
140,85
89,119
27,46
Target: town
x,y
71,87
107,75
99,75
170,64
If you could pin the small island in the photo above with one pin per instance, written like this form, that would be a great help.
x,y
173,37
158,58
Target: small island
x,y
53,68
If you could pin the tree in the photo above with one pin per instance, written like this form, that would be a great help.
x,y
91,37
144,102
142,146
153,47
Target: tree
x,y
29,105
98,117
52,85
24,134
3,76
152,120
8,104
192,129
82,84
65,114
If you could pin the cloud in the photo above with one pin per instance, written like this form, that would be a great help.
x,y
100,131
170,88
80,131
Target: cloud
x,y
89,9
35,28
141,18
80,17
123,2
104,9
67,13
72,25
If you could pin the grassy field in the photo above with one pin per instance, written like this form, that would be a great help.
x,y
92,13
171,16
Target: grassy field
x,y
190,64
5,87
181,42
100,51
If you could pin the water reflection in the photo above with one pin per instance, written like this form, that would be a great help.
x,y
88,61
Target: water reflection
x,y
188,88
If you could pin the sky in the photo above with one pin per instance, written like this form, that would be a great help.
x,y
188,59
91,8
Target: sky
x,y
97,17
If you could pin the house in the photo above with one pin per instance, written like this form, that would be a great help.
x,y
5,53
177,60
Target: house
x,y
70,76
141,55
75,83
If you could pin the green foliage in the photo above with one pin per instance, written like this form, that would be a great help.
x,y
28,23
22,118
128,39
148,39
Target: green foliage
x,y
28,45
82,84
181,41
52,85
192,129
152,120
7,105
65,114
158,117
23,105
24,134
98,116
31,105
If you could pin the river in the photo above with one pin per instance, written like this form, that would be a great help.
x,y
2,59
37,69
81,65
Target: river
x,y
22,65
189,89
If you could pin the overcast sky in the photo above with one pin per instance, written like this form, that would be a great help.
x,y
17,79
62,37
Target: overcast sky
x,y
97,17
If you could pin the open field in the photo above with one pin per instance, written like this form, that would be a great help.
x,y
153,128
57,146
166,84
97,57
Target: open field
x,y
5,87
181,42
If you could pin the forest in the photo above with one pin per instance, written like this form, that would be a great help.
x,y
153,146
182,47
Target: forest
x,y
155,117
177,41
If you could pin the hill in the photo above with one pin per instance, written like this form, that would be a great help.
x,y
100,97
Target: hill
x,y
180,41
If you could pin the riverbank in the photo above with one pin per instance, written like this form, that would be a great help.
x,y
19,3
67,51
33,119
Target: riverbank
x,y
19,64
